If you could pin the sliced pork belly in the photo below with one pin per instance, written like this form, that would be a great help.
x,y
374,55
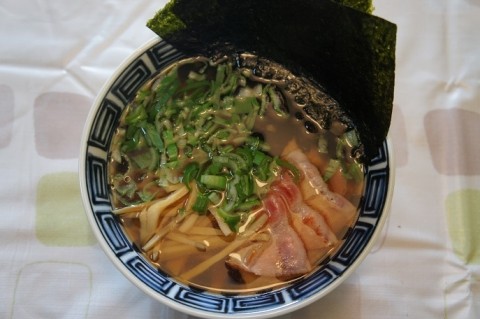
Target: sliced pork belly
x,y
284,256
311,226
337,211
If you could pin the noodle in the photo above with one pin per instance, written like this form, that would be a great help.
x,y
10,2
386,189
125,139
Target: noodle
x,y
155,210
188,223
180,250
238,242
205,231
181,238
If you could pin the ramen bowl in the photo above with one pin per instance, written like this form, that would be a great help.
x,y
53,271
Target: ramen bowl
x,y
93,169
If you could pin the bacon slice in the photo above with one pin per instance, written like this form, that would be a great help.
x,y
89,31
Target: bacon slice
x,y
303,221
337,211
284,256
311,226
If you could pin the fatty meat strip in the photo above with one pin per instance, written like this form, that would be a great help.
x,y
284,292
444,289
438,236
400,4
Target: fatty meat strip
x,y
311,226
337,211
284,256
304,219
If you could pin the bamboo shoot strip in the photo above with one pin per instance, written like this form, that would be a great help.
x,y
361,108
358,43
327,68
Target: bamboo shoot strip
x,y
161,232
170,214
191,197
182,238
172,187
155,210
188,223
131,209
132,215
180,250
205,231
204,220
142,217
137,208
200,268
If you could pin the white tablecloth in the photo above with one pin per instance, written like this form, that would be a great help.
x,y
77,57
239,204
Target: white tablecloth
x,y
55,56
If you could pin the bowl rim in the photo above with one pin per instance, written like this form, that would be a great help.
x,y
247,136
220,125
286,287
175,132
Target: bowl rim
x,y
268,313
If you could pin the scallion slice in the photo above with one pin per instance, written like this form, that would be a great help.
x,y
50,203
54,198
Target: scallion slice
x,y
230,218
292,168
217,182
190,173
201,203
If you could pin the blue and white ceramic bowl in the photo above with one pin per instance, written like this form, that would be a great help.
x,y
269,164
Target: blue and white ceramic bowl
x,y
101,124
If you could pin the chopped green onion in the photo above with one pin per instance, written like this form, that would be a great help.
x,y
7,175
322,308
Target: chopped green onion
x,y
172,152
231,219
246,155
245,185
292,168
262,165
224,149
136,115
215,198
190,173
146,196
165,91
259,158
241,164
146,158
201,203
152,136
225,161
220,76
172,164
277,103
213,169
231,195
243,104
124,188
168,137
142,95
129,145
217,182
249,204
222,134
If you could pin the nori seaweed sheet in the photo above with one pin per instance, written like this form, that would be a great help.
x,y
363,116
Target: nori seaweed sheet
x,y
338,44
362,5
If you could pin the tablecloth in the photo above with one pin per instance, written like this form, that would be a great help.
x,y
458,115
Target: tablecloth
x,y
56,55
